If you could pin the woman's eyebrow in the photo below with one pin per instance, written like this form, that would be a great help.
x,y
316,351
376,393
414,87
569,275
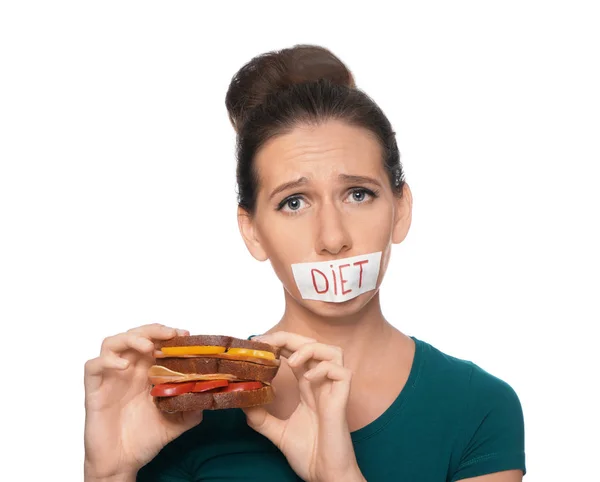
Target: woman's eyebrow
x,y
288,185
358,179
342,177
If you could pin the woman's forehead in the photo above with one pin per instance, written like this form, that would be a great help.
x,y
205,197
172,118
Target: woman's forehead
x,y
319,152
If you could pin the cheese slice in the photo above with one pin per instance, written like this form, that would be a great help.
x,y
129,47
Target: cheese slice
x,y
253,353
159,374
233,353
192,350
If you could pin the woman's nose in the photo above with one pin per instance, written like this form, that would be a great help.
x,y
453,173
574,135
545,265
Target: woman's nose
x,y
333,236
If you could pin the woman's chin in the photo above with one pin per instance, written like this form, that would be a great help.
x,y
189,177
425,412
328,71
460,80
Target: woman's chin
x,y
347,308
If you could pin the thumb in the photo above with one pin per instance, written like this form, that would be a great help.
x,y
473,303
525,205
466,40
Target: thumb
x,y
179,422
190,419
265,424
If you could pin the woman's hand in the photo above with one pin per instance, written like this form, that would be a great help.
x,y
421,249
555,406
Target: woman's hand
x,y
315,439
124,430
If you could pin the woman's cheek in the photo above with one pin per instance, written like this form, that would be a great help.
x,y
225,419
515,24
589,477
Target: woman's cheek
x,y
283,271
385,260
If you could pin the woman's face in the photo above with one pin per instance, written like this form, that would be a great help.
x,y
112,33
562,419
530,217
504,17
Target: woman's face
x,y
323,195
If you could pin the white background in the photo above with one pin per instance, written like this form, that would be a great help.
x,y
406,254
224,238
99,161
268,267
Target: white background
x,y
117,195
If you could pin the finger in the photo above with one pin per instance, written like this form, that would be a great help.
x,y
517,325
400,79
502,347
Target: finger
x,y
95,368
179,422
300,369
317,351
126,341
306,390
191,419
266,424
329,370
307,357
156,331
288,342
339,377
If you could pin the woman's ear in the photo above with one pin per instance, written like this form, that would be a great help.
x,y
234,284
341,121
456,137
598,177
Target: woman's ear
x,y
248,231
403,215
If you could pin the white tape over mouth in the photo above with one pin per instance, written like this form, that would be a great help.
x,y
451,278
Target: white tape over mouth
x,y
337,280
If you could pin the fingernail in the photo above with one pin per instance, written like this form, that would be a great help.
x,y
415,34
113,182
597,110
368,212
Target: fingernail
x,y
293,358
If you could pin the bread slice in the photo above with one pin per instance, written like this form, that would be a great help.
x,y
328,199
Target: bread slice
x,y
212,340
202,366
215,401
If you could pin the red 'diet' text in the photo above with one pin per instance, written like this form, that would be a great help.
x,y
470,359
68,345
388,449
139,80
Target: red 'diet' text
x,y
342,281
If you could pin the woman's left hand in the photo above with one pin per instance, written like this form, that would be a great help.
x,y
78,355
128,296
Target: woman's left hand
x,y
315,439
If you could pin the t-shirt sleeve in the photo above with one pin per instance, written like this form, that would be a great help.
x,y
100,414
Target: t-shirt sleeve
x,y
493,428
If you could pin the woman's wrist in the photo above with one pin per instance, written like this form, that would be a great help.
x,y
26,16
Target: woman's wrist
x,y
112,478
351,475
89,476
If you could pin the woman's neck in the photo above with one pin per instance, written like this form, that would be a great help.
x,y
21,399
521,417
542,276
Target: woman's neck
x,y
358,335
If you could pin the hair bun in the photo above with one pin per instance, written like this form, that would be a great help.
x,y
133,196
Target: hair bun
x,y
277,70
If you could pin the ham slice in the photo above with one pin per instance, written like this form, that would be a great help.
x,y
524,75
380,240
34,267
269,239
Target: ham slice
x,y
158,375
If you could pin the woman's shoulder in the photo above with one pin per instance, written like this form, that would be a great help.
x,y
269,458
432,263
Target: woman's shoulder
x,y
485,407
459,377
480,393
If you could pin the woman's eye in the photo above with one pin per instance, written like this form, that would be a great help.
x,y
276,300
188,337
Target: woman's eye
x,y
359,195
291,204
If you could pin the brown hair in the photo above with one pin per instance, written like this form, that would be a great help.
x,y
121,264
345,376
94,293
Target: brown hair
x,y
305,84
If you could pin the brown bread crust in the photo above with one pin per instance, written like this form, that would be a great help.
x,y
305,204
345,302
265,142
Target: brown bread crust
x,y
215,340
215,401
203,366
194,340
254,345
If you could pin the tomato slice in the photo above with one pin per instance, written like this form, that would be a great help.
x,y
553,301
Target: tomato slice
x,y
241,386
171,389
209,385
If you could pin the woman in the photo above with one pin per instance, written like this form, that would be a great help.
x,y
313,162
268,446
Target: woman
x,y
319,179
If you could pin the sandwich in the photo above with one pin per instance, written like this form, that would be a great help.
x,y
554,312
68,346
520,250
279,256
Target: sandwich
x,y
204,372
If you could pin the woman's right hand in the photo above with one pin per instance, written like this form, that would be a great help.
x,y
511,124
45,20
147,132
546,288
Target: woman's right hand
x,y
124,430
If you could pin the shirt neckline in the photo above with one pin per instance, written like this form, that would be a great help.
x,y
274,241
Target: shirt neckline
x,y
386,417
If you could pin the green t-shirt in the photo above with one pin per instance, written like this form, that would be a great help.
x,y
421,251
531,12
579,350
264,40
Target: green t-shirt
x,y
452,421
